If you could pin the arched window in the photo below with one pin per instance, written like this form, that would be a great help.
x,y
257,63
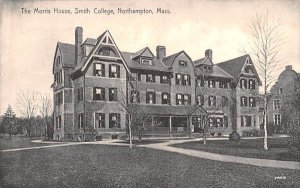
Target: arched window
x,y
106,51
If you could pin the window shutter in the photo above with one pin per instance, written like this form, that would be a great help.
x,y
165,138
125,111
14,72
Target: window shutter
x,y
169,98
215,101
147,97
102,93
118,120
241,83
103,70
102,120
118,71
110,120
116,94
177,101
253,84
189,80
246,102
110,71
176,78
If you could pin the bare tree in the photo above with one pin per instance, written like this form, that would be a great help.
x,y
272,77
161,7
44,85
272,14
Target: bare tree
x,y
27,104
45,109
265,46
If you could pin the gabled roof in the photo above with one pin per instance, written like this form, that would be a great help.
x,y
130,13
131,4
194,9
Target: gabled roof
x,y
143,52
68,54
205,60
168,61
234,66
133,64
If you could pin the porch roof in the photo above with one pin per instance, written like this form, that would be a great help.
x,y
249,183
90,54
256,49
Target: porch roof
x,y
166,110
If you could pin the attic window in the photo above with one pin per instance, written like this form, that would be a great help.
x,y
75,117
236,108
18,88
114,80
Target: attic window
x,y
183,63
146,61
107,52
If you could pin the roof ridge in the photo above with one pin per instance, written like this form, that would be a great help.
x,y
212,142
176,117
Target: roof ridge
x,y
233,59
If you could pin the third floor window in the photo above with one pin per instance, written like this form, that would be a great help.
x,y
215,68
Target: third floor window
x,y
99,69
114,71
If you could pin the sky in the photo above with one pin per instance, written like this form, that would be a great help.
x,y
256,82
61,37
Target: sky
x,y
28,41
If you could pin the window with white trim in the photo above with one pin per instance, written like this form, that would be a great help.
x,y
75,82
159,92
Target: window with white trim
x,y
276,104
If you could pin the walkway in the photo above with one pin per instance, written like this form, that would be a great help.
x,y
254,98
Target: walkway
x,y
165,146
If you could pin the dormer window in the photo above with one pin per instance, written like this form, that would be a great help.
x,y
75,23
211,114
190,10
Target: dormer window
x,y
183,63
146,61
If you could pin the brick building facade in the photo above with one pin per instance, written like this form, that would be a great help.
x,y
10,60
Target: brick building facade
x,y
94,81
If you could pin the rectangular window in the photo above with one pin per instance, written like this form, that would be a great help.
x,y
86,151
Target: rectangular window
x,y
150,97
58,122
277,119
223,84
113,95
164,79
183,63
219,122
114,120
178,78
224,101
99,93
200,100
186,79
252,102
187,99
248,121
179,99
133,76
212,101
200,82
99,120
99,69
243,83
114,71
59,97
276,104
211,83
135,96
80,120
139,76
211,122
251,84
244,101
165,98
150,78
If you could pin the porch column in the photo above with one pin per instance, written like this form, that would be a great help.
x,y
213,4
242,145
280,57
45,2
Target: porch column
x,y
170,126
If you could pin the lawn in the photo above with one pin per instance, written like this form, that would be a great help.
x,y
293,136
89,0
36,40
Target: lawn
x,y
13,143
116,166
245,148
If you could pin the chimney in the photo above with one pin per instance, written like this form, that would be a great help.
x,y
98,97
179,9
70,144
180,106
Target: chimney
x,y
160,52
208,53
289,67
78,43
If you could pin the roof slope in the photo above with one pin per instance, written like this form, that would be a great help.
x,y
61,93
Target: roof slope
x,y
168,61
68,53
216,72
234,66
132,64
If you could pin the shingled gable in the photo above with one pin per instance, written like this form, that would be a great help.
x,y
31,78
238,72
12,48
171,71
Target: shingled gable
x,y
100,41
235,66
67,52
168,61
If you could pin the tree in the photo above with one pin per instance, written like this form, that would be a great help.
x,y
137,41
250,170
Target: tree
x,y
27,103
9,122
45,109
264,47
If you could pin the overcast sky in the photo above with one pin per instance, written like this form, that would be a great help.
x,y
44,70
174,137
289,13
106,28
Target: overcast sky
x,y
28,41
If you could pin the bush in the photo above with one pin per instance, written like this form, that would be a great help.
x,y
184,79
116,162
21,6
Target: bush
x,y
294,145
234,136
252,132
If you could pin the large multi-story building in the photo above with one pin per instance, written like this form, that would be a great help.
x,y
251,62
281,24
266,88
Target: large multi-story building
x,y
284,100
96,85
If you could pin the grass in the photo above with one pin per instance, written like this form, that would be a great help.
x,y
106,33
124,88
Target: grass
x,y
13,143
278,148
115,166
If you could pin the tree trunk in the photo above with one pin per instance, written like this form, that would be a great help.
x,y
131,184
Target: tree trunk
x,y
265,118
130,133
204,137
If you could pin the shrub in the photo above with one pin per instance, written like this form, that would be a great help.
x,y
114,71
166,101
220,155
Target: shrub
x,y
294,145
234,136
